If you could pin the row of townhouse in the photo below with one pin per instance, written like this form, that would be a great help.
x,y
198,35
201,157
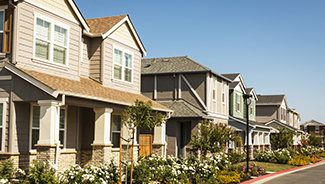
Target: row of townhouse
x,y
195,93
316,128
64,83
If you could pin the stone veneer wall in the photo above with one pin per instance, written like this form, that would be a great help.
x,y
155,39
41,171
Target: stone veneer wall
x,y
101,154
45,153
85,157
158,149
8,156
66,159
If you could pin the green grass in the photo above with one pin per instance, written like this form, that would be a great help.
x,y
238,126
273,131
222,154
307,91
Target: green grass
x,y
268,166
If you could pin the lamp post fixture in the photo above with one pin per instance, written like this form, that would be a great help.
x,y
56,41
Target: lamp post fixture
x,y
247,102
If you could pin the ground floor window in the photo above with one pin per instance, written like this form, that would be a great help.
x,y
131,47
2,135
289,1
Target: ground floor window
x,y
1,125
35,126
116,131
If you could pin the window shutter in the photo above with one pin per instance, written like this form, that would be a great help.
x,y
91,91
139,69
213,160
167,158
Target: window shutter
x,y
7,31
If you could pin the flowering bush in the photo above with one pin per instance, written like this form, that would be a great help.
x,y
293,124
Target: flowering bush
x,y
265,156
235,157
41,172
282,156
253,170
303,160
229,176
91,174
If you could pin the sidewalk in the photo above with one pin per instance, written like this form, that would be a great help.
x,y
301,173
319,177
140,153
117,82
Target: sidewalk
x,y
268,177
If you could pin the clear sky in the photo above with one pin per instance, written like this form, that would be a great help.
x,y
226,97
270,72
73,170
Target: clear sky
x,y
278,46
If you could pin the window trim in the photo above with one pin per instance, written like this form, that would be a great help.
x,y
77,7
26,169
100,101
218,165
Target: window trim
x,y
65,108
223,94
214,89
31,126
123,50
238,102
251,107
316,131
4,101
115,131
3,31
50,62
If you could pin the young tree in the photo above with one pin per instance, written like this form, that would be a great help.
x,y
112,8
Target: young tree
x,y
212,137
282,139
140,115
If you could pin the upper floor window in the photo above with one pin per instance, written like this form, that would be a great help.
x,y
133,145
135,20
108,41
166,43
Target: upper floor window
x,y
316,129
237,102
122,65
214,89
223,91
251,107
2,17
51,41
116,131
5,30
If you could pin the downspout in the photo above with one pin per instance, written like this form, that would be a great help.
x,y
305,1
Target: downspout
x,y
62,103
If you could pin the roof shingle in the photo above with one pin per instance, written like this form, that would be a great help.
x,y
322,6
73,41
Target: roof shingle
x,y
271,99
103,24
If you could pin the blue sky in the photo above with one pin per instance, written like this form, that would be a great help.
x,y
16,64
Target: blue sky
x,y
278,46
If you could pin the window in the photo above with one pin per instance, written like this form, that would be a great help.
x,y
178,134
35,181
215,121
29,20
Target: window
x,y
51,41
122,65
2,17
2,122
223,91
316,129
214,89
251,107
5,30
116,131
238,102
35,126
35,122
62,126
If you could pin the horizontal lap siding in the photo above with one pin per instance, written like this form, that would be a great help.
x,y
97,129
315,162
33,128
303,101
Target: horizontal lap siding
x,y
22,126
108,67
26,42
5,88
124,34
95,57
84,66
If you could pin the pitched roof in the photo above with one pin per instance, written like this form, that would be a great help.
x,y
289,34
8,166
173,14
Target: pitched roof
x,y
248,90
269,99
231,76
233,85
184,109
85,88
312,122
180,64
103,24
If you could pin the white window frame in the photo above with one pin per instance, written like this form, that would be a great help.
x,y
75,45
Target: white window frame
x,y
316,131
251,107
50,62
214,89
223,94
238,102
31,127
115,131
65,126
123,64
3,101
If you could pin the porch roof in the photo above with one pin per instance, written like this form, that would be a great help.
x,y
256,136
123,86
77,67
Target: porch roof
x,y
84,88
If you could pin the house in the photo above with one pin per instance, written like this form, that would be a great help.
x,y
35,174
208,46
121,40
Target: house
x,y
194,92
259,135
273,111
65,82
315,128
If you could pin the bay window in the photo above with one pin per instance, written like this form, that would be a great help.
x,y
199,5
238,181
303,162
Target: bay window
x,y
122,65
51,41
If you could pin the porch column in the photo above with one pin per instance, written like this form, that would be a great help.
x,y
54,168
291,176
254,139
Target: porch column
x,y
48,130
250,144
102,147
159,140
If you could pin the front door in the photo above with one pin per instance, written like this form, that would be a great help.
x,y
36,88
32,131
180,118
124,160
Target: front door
x,y
145,144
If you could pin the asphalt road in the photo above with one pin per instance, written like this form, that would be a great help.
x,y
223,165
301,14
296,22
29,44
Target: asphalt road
x,y
313,175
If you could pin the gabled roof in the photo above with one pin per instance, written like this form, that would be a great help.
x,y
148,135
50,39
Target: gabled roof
x,y
104,26
313,122
79,15
234,76
270,99
183,109
85,88
233,85
251,90
167,65
252,124
280,123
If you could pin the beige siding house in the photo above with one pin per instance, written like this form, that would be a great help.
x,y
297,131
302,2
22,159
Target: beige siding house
x,y
193,91
64,83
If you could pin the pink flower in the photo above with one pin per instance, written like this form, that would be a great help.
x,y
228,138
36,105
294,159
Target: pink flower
x,y
249,170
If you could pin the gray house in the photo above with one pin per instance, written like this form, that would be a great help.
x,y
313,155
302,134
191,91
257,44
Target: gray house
x,y
193,91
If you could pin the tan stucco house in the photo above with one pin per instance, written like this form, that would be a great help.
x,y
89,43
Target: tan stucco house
x,y
64,82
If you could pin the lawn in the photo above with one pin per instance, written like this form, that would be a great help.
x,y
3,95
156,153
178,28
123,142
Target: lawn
x,y
268,166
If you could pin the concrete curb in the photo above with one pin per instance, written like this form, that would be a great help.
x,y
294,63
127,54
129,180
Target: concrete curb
x,y
268,177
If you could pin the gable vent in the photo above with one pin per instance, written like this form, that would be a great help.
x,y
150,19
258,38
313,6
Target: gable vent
x,y
165,60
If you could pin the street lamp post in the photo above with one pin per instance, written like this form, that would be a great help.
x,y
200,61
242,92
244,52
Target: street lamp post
x,y
247,102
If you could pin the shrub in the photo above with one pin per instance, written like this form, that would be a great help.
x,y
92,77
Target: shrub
x,y
314,141
41,173
103,173
282,139
7,170
300,160
235,157
229,176
282,156
253,170
265,156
